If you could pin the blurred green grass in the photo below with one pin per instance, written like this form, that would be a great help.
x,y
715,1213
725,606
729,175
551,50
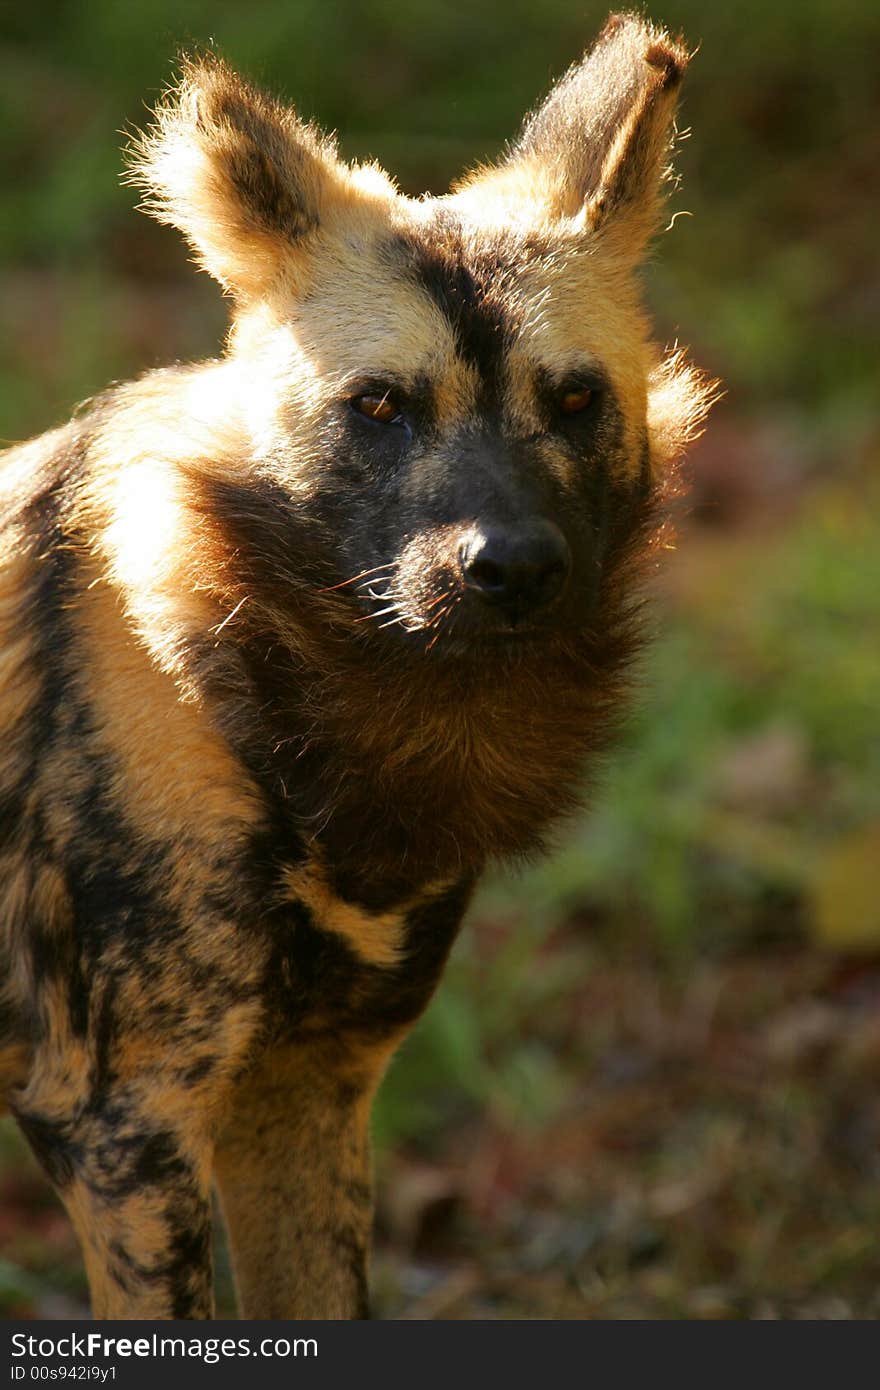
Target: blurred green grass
x,y
775,276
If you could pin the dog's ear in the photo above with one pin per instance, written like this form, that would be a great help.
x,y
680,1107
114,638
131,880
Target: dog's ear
x,y
241,175
598,148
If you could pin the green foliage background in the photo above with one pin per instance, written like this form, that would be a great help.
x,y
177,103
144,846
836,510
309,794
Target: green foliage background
x,y
769,646
770,273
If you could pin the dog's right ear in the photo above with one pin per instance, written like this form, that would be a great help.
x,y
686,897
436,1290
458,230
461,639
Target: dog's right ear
x,y
241,175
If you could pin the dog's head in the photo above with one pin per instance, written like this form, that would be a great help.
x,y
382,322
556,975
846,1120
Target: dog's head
x,y
454,417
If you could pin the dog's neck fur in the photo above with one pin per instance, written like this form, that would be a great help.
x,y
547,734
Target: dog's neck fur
x,y
400,767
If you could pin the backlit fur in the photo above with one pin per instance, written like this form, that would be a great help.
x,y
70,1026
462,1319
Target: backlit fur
x,y
259,738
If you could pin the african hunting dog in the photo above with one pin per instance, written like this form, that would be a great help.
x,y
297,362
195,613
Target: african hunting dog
x,y
294,641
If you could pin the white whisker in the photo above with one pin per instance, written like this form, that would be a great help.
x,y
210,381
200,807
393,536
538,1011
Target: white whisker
x,y
230,616
370,617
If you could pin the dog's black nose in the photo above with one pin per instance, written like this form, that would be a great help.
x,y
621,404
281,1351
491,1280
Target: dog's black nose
x,y
526,566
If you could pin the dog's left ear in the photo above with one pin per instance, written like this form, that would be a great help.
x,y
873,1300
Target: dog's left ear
x,y
598,149
241,175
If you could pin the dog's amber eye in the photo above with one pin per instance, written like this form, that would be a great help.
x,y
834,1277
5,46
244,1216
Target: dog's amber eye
x,y
381,408
574,401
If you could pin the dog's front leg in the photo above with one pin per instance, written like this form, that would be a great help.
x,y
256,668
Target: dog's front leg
x,y
293,1169
136,1183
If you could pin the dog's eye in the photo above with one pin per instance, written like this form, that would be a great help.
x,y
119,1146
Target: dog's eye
x,y
383,409
574,399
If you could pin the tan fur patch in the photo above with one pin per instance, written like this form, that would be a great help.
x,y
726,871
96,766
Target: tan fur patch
x,y
375,937
19,683
150,732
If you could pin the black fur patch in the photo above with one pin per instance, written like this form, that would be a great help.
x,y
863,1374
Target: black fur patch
x,y
51,1145
45,617
315,980
467,285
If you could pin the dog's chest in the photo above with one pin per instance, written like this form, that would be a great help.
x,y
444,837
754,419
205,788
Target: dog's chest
x,y
339,964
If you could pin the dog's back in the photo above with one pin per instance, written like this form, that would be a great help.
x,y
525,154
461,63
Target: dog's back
x,y
31,597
